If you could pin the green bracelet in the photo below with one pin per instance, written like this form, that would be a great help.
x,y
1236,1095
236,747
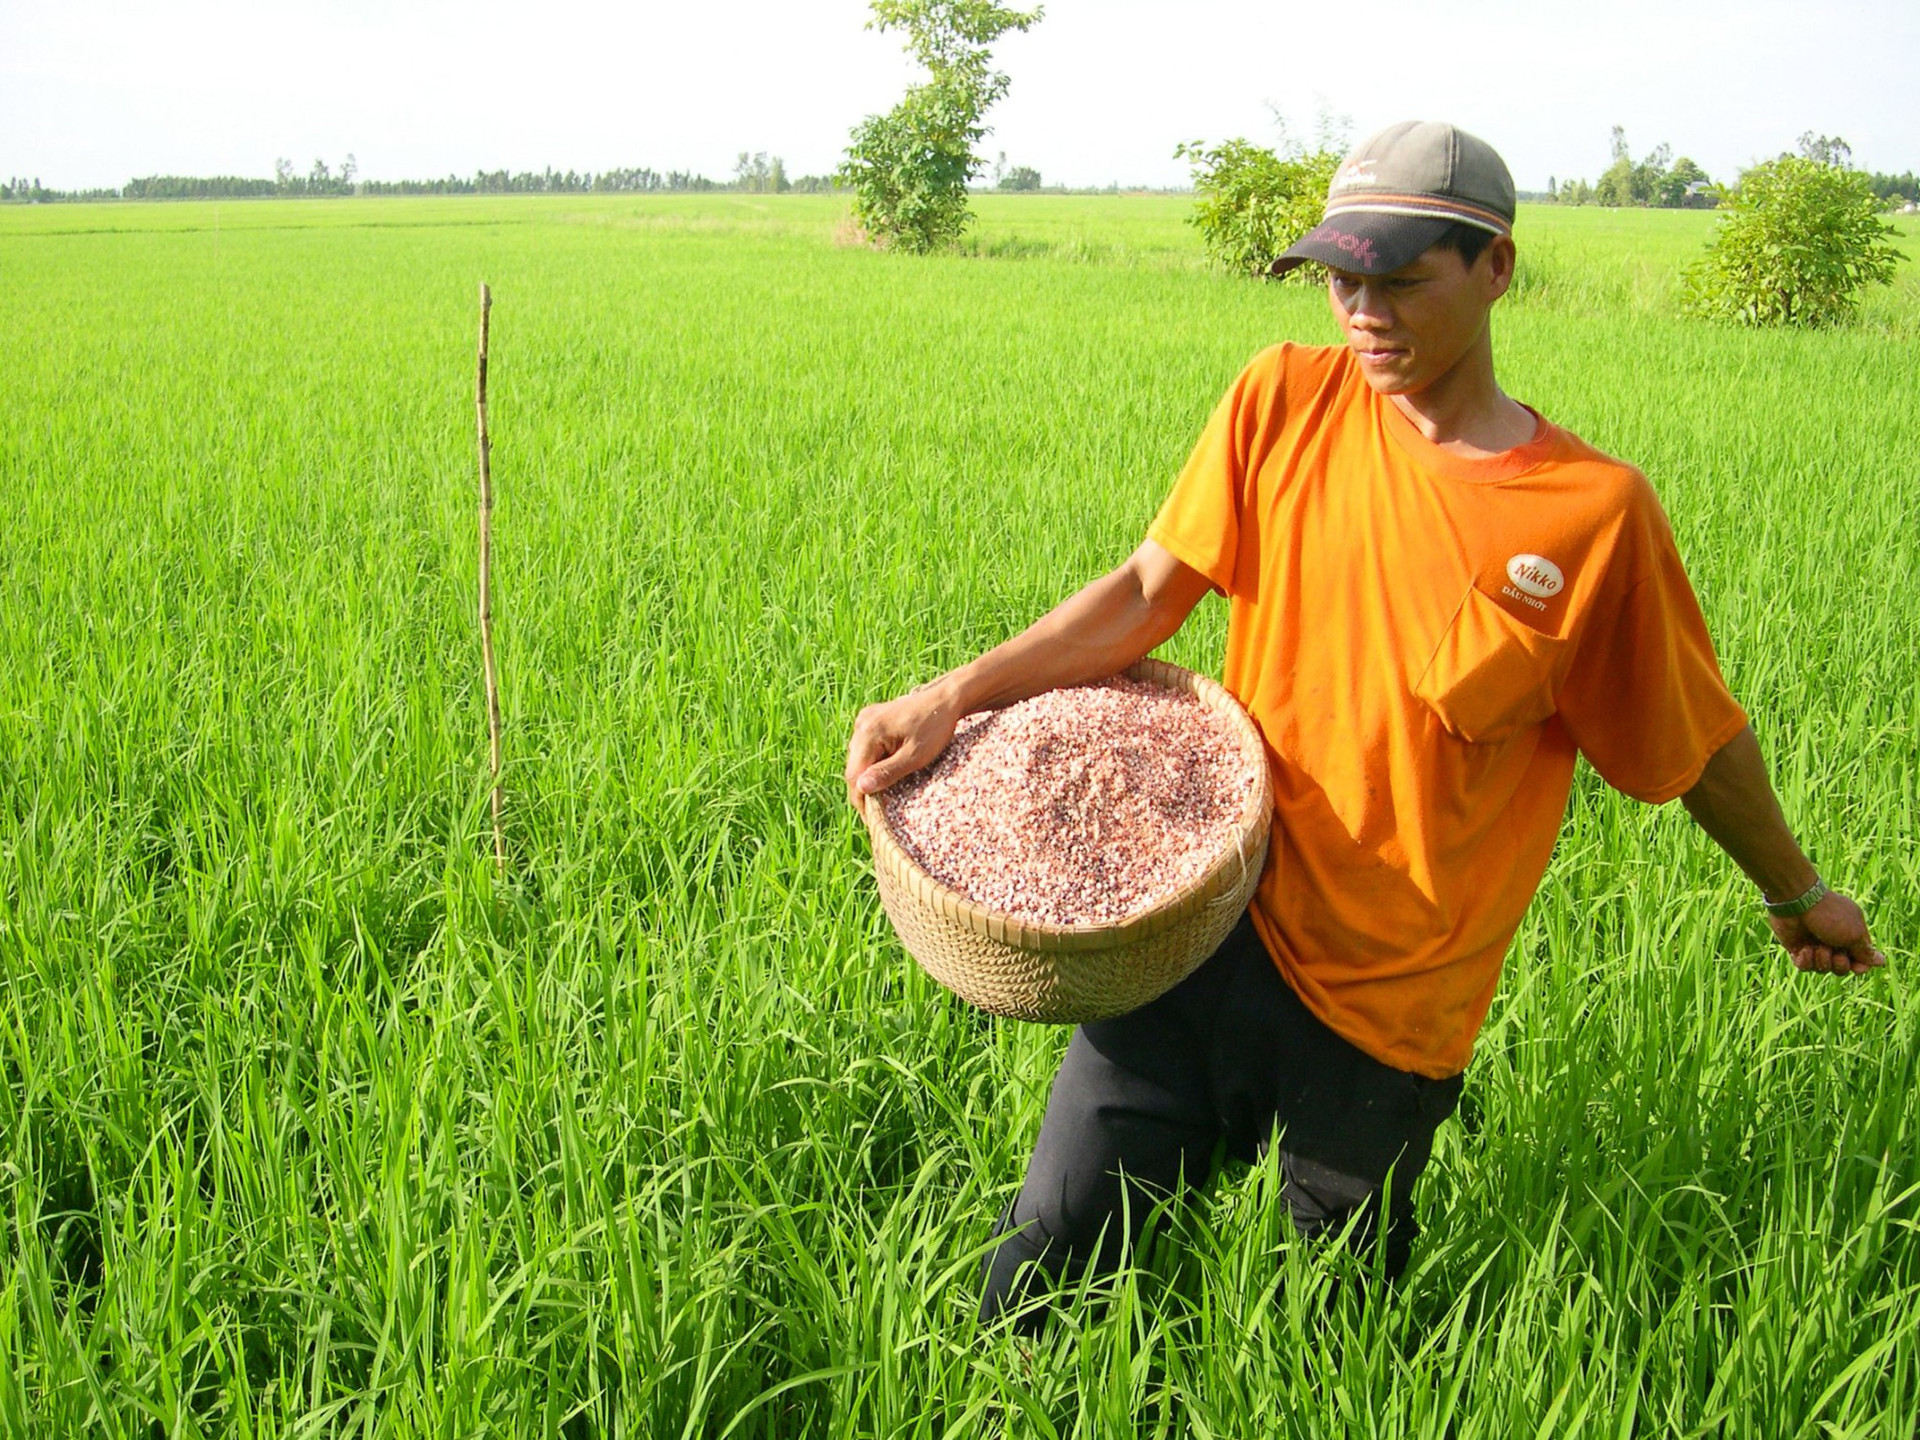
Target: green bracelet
x,y
1786,909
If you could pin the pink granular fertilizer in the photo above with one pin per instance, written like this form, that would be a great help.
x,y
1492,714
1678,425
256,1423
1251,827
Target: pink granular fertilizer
x,y
1078,807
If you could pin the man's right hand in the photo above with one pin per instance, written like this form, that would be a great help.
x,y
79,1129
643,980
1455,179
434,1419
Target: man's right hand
x,y
1830,939
894,739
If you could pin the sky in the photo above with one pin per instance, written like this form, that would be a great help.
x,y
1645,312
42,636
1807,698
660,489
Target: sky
x,y
94,92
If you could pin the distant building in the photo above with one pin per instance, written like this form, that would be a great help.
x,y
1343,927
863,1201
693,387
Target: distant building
x,y
1701,195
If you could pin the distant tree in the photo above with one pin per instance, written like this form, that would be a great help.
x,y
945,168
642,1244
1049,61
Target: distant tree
x,y
1893,191
1330,131
349,168
1672,189
909,168
196,187
1020,177
1825,150
20,190
1627,182
1615,185
1798,241
760,173
628,181
1254,202
1650,175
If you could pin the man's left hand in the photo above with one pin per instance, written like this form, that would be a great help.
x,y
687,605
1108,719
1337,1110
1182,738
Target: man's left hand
x,y
1830,939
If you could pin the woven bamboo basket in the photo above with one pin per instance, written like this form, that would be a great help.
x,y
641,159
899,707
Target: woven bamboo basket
x,y
1067,974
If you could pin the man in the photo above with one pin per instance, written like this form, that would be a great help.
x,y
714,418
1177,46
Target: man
x,y
1438,600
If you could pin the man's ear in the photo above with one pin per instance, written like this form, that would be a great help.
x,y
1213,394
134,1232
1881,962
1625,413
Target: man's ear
x,y
1500,259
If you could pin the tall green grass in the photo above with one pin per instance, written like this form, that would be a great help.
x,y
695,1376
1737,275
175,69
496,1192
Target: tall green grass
x,y
310,1127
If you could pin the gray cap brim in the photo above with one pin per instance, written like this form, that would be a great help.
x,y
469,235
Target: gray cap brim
x,y
1364,243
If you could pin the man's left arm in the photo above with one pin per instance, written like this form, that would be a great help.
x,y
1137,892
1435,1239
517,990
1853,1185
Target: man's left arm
x,y
1733,801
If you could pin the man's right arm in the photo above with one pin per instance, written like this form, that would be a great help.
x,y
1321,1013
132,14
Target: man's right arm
x,y
1094,633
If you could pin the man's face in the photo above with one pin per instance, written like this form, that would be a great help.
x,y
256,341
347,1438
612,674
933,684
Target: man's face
x,y
1412,326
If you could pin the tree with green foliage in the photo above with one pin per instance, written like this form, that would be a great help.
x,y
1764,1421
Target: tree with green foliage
x,y
1254,202
1657,180
1615,185
1627,182
1825,150
1798,241
760,174
1671,191
1650,175
1894,191
909,168
1020,177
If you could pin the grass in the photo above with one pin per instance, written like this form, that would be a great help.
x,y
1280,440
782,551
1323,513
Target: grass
x,y
311,1128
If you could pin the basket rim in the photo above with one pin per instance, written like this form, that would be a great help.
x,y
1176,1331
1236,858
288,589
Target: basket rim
x,y
1221,879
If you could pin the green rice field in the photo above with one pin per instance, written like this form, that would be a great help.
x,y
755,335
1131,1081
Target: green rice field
x,y
310,1126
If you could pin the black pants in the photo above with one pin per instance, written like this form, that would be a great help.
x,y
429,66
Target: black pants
x,y
1221,1061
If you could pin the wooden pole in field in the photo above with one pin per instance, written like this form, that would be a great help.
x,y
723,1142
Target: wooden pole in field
x,y
486,589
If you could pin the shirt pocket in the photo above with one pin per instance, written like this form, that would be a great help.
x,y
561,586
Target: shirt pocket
x,y
1491,676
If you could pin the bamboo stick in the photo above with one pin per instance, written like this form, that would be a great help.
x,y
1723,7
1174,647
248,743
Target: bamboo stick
x,y
486,590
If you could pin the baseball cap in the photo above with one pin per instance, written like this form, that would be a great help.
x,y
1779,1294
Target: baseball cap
x,y
1398,191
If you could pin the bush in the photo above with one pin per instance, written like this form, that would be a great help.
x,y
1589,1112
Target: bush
x,y
1797,241
909,169
1254,203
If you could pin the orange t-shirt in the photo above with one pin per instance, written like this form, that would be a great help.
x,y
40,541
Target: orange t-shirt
x,y
1426,642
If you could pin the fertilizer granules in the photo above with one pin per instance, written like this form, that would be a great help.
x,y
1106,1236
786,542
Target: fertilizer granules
x,y
1084,806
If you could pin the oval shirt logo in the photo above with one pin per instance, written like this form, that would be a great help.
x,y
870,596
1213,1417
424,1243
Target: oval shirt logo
x,y
1536,575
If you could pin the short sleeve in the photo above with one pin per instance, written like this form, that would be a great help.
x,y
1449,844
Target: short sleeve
x,y
1644,698
1199,522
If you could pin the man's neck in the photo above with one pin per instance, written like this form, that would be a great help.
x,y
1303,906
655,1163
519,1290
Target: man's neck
x,y
1466,412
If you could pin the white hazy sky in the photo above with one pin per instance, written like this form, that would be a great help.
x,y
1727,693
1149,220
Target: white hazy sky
x,y
93,92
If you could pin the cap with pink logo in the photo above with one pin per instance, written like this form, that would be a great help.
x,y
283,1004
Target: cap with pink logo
x,y
1398,191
